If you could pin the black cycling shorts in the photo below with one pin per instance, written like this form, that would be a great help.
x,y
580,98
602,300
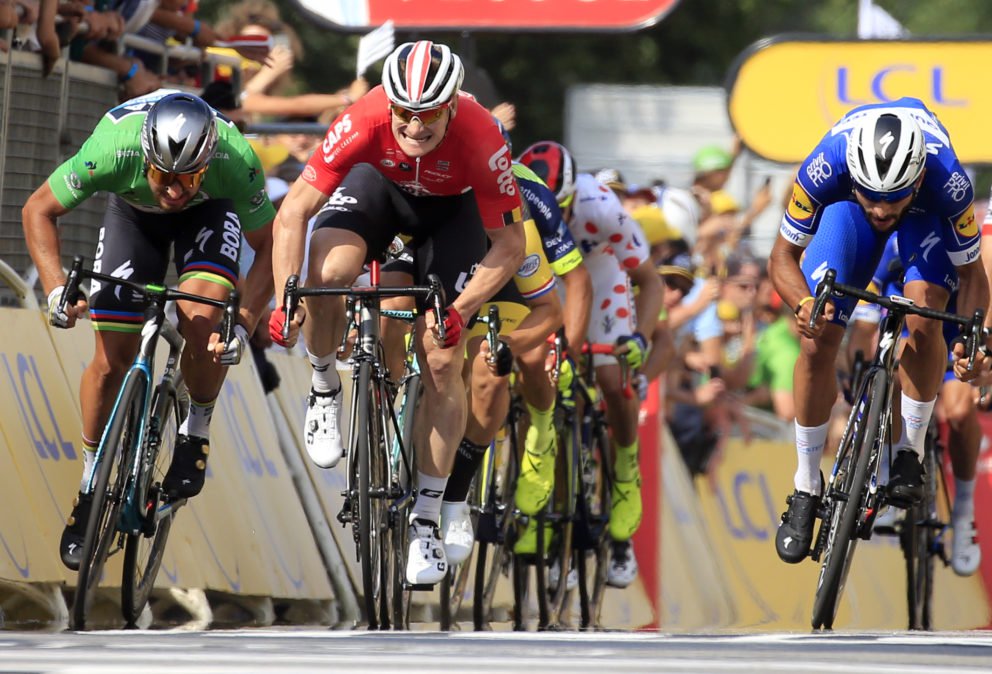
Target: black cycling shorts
x,y
446,233
136,245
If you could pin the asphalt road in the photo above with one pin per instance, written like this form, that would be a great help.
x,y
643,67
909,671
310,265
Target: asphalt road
x,y
298,650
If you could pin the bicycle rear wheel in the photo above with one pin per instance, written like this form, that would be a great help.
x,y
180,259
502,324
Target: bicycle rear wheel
x,y
112,473
144,550
917,539
847,500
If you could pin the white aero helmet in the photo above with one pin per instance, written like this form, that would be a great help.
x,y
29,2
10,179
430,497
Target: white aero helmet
x,y
681,211
421,75
886,153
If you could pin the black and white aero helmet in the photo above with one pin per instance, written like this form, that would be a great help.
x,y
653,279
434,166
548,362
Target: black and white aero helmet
x,y
886,152
179,134
421,75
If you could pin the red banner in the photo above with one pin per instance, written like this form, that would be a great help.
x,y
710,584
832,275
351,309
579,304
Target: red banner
x,y
535,15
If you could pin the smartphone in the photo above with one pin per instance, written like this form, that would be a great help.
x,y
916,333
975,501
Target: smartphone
x,y
714,372
280,40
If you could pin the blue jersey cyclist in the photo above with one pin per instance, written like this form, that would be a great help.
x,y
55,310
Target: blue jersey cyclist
x,y
882,169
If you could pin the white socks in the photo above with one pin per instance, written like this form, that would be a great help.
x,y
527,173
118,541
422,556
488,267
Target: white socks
x,y
964,499
430,489
809,450
915,419
325,374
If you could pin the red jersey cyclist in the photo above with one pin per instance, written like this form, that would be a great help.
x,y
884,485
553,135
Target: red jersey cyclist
x,y
417,157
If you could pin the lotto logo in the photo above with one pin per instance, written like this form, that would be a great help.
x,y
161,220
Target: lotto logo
x,y
501,164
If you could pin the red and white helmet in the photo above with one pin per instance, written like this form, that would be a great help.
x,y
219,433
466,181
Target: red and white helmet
x,y
422,75
554,165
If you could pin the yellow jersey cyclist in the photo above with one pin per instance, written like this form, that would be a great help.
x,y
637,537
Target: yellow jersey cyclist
x,y
179,177
530,311
616,255
560,255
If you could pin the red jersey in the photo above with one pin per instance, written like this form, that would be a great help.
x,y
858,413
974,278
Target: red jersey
x,y
472,156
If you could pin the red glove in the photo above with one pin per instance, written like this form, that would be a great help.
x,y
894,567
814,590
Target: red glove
x,y
453,324
276,322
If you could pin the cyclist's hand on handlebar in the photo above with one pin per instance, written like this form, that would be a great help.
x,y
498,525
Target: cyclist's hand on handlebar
x,y
500,363
453,325
961,371
67,317
803,319
230,353
278,319
633,348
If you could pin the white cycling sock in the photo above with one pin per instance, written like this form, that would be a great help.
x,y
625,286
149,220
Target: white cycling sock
x,y
89,459
197,422
430,489
915,419
809,450
964,498
325,375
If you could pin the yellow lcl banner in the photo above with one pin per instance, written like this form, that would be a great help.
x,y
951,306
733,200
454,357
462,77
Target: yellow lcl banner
x,y
785,95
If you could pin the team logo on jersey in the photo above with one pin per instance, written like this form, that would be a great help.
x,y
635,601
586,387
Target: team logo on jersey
x,y
309,174
443,166
819,170
405,166
90,167
500,164
800,205
259,198
388,163
966,226
957,186
530,266
252,172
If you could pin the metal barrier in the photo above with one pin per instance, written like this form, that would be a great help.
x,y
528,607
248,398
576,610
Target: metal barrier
x,y
184,52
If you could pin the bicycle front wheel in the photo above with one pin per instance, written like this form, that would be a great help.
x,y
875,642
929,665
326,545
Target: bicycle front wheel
x,y
847,501
112,472
918,541
372,512
592,524
144,550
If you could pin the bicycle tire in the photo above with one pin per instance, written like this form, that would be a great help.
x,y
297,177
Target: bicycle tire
x,y
143,551
842,535
108,494
400,533
591,533
369,531
917,541
495,528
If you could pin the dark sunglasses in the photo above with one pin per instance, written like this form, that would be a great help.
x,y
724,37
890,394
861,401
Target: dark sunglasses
x,y
188,180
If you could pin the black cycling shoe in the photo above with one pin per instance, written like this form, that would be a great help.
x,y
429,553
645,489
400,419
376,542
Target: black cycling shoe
x,y
188,468
71,545
795,533
905,487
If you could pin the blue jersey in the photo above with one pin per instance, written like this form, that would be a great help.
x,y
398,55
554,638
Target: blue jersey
x,y
559,245
946,193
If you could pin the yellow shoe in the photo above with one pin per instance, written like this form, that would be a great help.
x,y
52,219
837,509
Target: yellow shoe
x,y
527,543
625,515
537,473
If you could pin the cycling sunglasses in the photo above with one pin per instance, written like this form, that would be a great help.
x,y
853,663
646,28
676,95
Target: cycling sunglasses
x,y
190,181
426,117
888,197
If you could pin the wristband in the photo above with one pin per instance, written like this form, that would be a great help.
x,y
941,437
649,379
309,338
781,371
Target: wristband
x,y
196,28
803,302
132,71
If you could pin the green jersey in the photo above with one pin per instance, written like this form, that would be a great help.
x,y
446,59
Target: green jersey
x,y
111,160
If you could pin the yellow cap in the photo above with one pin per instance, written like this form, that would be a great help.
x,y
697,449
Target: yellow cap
x,y
654,225
721,202
270,154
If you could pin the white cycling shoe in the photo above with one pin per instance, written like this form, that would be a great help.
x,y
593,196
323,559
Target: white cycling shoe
x,y
554,575
623,565
456,531
965,552
426,563
322,428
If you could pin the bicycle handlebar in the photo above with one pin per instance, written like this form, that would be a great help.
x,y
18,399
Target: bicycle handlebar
x,y
433,293
974,327
152,293
610,350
